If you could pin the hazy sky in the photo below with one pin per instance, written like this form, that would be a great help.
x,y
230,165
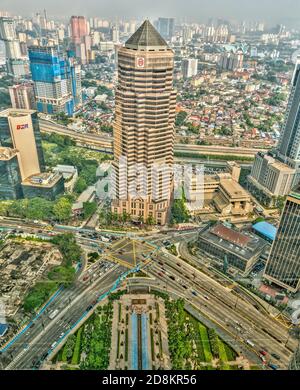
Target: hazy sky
x,y
272,11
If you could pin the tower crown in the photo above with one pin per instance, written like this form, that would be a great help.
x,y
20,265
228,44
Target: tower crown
x,y
146,37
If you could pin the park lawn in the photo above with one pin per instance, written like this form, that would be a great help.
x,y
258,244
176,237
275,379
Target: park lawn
x,y
205,343
76,352
223,355
231,355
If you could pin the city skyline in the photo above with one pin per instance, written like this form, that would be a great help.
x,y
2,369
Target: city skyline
x,y
148,215
279,12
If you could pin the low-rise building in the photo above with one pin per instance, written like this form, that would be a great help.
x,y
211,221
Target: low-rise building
x,y
232,199
87,196
46,185
239,250
70,175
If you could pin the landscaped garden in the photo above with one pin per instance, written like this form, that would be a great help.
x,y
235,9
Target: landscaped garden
x,y
89,347
192,345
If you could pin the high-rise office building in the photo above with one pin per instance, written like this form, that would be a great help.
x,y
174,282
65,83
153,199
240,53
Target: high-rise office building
x,y
144,126
22,96
114,34
166,27
19,129
16,65
56,79
189,67
10,176
79,28
270,179
283,265
22,166
289,143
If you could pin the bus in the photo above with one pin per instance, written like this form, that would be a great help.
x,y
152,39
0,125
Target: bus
x,y
53,314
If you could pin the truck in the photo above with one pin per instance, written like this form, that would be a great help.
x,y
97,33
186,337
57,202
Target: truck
x,y
53,314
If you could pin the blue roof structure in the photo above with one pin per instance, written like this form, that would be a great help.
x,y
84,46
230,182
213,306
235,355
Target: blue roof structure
x,y
3,329
266,229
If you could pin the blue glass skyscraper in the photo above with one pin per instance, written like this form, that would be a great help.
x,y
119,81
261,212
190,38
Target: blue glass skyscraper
x,y
56,79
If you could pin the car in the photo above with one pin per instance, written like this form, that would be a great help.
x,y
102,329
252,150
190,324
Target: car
x,y
53,345
275,356
262,352
194,293
273,366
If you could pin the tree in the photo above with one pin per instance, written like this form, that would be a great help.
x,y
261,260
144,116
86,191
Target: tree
x,y
62,209
80,185
179,212
150,220
39,208
180,118
89,208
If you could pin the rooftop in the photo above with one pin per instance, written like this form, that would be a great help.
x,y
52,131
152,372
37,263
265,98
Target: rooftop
x,y
7,153
245,245
233,189
146,37
44,179
266,229
230,235
15,112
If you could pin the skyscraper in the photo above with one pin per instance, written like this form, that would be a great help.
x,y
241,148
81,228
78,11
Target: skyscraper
x,y
189,67
22,166
144,126
16,65
289,143
78,28
22,96
56,79
283,265
231,61
10,176
166,27
19,129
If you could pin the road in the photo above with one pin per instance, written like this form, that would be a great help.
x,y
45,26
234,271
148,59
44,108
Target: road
x,y
229,309
105,143
72,305
224,307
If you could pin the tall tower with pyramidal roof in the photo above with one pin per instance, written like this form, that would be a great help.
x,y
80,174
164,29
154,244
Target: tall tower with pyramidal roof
x,y
144,127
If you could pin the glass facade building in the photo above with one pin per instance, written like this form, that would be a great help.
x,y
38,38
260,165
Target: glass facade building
x,y
49,192
283,266
10,177
56,79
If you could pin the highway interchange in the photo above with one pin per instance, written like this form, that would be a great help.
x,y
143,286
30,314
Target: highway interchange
x,y
198,285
